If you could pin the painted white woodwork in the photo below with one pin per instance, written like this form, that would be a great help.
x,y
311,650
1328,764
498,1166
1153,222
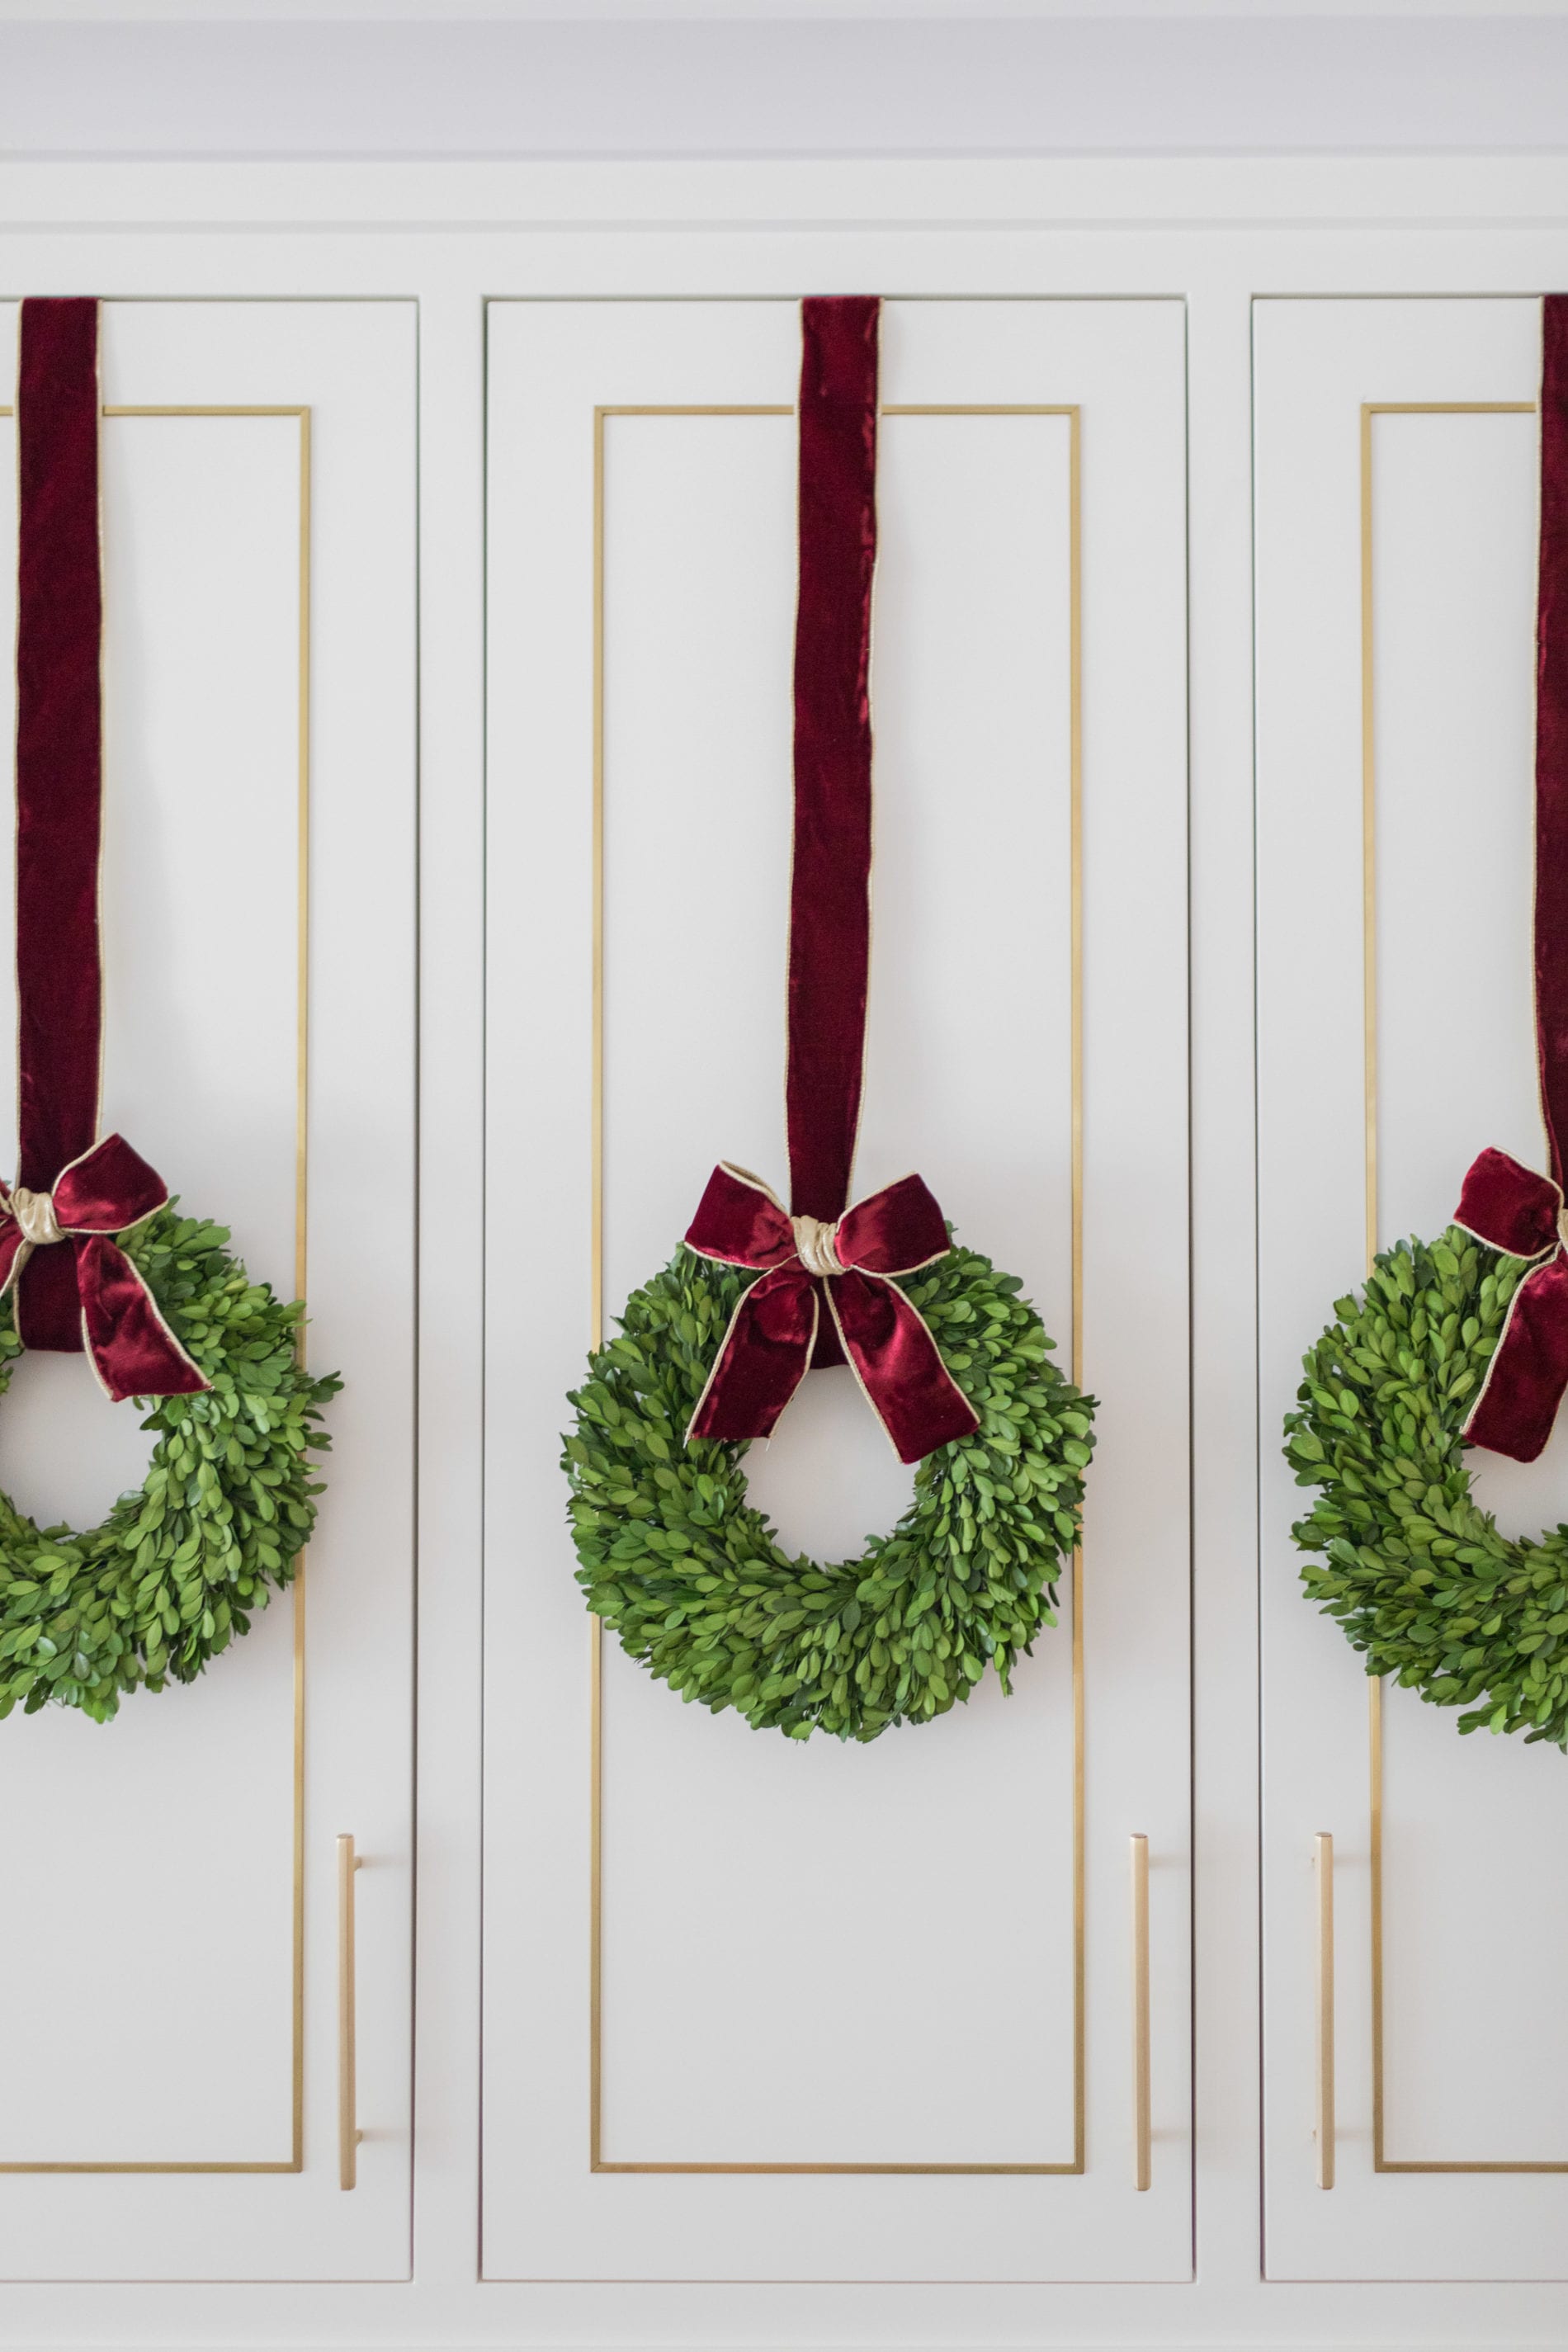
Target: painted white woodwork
x,y
1475,1895
837,2026
1214,231
153,2048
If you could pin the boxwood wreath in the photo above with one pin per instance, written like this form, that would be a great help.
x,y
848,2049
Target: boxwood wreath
x,y
1399,1553
178,1566
692,1580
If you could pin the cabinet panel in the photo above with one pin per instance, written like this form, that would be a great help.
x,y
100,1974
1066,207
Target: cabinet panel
x,y
172,2099
1396,517
754,2009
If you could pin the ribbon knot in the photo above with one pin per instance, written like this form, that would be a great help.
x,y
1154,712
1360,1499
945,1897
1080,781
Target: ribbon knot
x,y
814,1242
34,1212
101,1294
851,1263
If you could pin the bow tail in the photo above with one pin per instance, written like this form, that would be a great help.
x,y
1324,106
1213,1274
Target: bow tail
x,y
762,1359
896,1362
48,1314
1528,1374
133,1351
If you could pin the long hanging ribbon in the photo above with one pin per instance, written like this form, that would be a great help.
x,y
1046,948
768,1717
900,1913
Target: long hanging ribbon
x,y
823,1252
1508,1206
70,1188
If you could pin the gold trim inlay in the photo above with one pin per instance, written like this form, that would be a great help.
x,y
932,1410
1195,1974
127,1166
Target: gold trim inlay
x,y
1381,2161
598,2161
294,2161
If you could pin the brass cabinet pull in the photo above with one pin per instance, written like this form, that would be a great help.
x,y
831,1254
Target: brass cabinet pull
x,y
1325,2130
1142,2131
349,2133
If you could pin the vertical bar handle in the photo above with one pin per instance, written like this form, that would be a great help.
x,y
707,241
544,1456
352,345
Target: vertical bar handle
x,y
1324,1858
1141,2130
349,2133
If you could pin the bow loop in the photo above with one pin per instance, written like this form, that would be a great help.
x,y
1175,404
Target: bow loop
x,y
895,1230
109,1189
803,1262
739,1222
1510,1207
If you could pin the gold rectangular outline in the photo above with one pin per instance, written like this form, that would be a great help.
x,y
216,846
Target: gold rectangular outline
x,y
295,2162
1369,409
597,2161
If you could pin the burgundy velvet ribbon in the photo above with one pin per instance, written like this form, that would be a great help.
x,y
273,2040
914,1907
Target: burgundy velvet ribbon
x,y
778,1330
830,884
70,1188
1505,1205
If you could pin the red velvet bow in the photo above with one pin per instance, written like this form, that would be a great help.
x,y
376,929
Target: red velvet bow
x,y
1513,1210
109,1189
765,1353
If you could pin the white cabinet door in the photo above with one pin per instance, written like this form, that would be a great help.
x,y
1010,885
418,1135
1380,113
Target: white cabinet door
x,y
169,1974
754,2009
1396,517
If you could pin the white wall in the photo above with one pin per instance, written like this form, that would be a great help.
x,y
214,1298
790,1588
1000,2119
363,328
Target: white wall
x,y
767,77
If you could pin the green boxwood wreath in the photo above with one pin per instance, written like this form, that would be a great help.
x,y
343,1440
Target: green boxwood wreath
x,y
692,1579
1415,1573
175,1571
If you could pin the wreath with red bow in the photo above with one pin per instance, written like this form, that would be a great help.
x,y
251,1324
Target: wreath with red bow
x,y
94,1261
181,1563
1400,1553
1464,1341
692,1579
